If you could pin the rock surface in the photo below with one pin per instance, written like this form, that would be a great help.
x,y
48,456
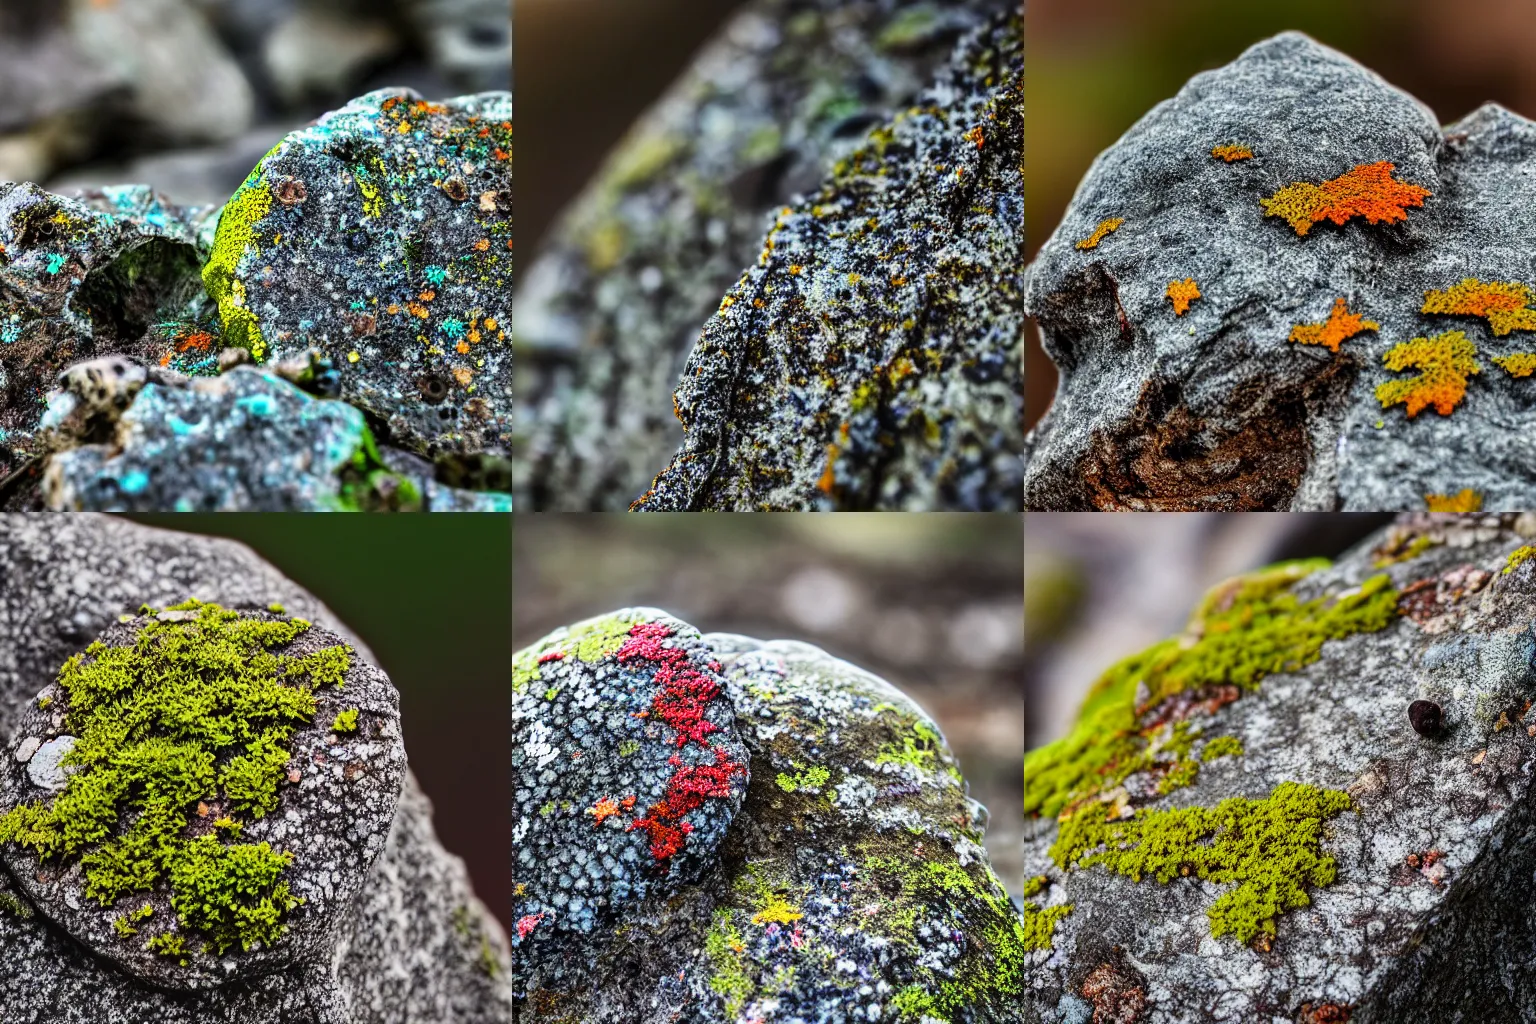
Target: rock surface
x,y
1216,407
1391,841
850,883
871,359
611,305
405,938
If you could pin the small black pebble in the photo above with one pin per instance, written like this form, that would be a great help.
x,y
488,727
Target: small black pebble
x,y
1425,716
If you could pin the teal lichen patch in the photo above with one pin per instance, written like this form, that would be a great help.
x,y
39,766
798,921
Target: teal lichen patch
x,y
1040,924
1244,629
199,709
1269,850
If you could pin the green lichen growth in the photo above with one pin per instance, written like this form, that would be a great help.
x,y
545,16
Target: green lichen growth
x,y
1244,630
1517,558
724,948
197,709
1222,746
1182,774
15,907
628,747
587,642
1269,850
346,721
1040,924
919,748
913,1003
368,485
810,780
237,233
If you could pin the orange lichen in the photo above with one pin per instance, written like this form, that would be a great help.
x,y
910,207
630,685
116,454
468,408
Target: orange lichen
x,y
1233,152
1340,326
604,809
1520,364
1182,293
1505,304
1462,501
1368,191
1105,227
1447,361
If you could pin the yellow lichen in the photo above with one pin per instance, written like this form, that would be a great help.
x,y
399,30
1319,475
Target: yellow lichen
x,y
1105,227
1340,326
1233,152
1447,361
1466,500
1519,364
1182,293
1504,304
236,234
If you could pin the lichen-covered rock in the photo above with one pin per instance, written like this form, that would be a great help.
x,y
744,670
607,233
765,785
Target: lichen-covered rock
x,y
871,358
1362,308
381,236
403,936
1310,806
611,305
851,884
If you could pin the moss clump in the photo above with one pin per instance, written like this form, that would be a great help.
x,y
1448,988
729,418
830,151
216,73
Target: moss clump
x,y
237,232
1517,558
1244,630
587,642
11,905
1040,925
198,709
725,950
1269,849
1222,746
346,721
810,780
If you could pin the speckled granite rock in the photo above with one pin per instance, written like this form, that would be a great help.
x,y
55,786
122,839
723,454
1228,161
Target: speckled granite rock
x,y
411,944
1372,850
851,884
1216,407
871,359
611,305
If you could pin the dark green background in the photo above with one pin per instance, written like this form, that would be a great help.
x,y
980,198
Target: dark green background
x,y
432,597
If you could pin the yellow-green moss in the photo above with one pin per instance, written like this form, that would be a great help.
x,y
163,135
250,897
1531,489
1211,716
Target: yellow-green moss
x,y
588,642
1222,746
812,779
1040,924
1517,558
724,948
1244,630
236,233
346,721
1269,849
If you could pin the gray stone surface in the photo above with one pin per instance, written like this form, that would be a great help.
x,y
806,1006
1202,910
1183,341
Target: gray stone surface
x,y
611,305
851,885
1216,408
1420,924
412,944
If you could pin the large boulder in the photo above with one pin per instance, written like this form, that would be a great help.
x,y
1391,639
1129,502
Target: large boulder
x,y
1312,805
1288,287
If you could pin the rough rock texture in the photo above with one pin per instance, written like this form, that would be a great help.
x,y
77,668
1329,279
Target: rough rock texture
x,y
610,307
414,943
1413,920
871,358
851,884
1216,408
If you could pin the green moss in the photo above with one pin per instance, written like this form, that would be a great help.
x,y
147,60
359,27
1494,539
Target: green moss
x,y
197,709
1517,558
1222,746
346,721
237,233
628,747
810,780
15,907
1416,547
1180,775
588,642
919,748
1244,630
1269,850
1040,924
169,944
913,1003
126,924
724,948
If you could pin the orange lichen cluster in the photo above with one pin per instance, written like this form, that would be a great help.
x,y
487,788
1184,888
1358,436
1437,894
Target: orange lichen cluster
x,y
1105,227
1505,304
1182,293
1447,361
1462,501
1519,364
1340,326
1368,191
1233,152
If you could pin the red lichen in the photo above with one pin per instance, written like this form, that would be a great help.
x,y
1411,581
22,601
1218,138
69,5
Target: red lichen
x,y
1368,191
1182,293
686,792
1340,326
549,656
528,923
1447,361
1324,1013
1504,304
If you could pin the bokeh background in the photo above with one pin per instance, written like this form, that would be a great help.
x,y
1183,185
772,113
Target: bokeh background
x,y
187,95
1100,586
586,69
931,603
430,597
1096,66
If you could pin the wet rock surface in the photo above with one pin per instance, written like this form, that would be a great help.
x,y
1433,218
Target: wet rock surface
x,y
391,930
1326,221
852,878
611,305
1402,831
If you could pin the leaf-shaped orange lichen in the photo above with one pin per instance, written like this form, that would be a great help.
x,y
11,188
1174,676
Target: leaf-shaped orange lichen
x,y
1368,191
1505,304
1462,501
1340,326
1182,293
1232,152
1519,364
1447,362
1105,227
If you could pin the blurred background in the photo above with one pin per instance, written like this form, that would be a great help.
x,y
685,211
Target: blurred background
x,y
187,95
1100,586
929,602
1096,66
429,595
586,69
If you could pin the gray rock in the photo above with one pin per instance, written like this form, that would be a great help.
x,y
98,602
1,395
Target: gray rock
x,y
1216,408
406,939
851,885
611,305
871,358
1398,893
